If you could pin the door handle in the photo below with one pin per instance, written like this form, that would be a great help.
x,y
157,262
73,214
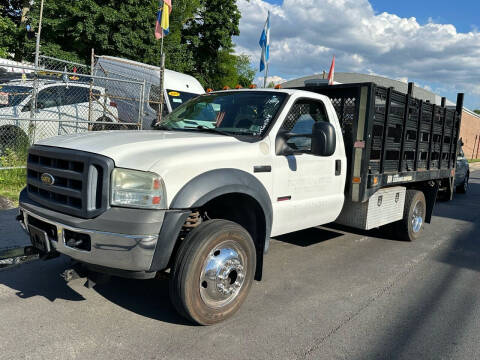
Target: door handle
x,y
338,167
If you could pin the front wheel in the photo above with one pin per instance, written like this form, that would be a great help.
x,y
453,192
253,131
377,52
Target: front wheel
x,y
213,272
411,226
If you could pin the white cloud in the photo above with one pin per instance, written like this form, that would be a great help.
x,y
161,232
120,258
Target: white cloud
x,y
305,34
275,79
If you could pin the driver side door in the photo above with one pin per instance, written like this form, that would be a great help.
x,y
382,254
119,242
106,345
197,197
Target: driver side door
x,y
308,190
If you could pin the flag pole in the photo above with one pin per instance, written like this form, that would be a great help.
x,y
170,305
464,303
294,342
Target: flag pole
x,y
266,75
162,83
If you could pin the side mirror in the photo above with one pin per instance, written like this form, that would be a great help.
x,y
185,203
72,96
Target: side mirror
x,y
281,146
324,139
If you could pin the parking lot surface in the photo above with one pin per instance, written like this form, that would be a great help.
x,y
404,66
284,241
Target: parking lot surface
x,y
327,293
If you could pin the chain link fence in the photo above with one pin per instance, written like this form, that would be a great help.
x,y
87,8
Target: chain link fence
x,y
50,63
61,98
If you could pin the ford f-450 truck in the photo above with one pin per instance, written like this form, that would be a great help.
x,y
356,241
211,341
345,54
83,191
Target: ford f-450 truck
x,y
200,197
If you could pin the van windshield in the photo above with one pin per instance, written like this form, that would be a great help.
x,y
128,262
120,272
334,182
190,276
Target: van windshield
x,y
234,112
13,95
177,98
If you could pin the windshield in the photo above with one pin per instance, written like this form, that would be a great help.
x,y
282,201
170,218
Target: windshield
x,y
13,95
241,112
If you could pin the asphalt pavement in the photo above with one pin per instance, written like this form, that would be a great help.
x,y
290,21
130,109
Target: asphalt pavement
x,y
327,293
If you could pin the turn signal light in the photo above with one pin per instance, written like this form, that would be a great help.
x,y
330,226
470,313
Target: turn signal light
x,y
357,180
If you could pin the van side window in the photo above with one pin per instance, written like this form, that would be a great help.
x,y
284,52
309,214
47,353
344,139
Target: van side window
x,y
303,114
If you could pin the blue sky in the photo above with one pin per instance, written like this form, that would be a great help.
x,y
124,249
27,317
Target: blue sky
x,y
438,50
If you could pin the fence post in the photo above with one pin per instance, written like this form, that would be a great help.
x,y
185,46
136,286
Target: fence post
x,y
141,106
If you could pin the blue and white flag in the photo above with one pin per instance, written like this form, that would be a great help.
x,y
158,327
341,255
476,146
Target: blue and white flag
x,y
265,43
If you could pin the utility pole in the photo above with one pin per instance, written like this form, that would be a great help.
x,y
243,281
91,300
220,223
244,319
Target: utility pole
x,y
474,144
478,146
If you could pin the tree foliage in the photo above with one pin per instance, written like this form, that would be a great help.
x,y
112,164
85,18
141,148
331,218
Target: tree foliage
x,y
8,36
209,36
199,43
476,111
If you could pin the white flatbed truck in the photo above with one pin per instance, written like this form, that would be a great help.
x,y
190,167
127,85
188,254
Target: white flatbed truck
x,y
200,197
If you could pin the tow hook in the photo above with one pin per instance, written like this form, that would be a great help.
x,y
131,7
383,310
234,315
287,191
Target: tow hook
x,y
78,271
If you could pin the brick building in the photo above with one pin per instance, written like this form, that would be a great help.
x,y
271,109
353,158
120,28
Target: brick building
x,y
470,121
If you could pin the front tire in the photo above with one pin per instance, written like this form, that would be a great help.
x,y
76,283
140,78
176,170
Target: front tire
x,y
411,226
213,272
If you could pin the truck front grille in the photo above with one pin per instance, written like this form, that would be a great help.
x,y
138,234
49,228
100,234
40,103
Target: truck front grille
x,y
69,181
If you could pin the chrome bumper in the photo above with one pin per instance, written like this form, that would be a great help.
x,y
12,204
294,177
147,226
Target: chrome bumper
x,y
113,250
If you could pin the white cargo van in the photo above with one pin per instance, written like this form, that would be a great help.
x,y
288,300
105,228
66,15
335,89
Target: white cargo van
x,y
178,88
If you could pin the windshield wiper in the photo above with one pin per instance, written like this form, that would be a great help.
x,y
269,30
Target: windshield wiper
x,y
213,130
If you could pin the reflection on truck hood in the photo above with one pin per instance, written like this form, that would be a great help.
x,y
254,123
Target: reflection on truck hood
x,y
142,149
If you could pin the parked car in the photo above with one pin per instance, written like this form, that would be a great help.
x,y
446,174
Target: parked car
x,y
65,107
199,198
462,173
179,88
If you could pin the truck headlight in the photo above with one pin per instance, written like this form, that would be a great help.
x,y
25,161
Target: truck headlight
x,y
138,189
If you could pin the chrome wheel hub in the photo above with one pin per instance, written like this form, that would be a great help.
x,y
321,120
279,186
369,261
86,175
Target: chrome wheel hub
x,y
417,217
223,274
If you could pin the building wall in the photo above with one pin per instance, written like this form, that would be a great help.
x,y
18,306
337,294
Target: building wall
x,y
469,129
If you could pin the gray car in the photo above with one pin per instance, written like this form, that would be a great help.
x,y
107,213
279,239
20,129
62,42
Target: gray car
x,y
462,173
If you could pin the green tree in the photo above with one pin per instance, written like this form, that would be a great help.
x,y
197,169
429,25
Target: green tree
x,y
8,36
476,111
71,29
209,36
199,43
246,73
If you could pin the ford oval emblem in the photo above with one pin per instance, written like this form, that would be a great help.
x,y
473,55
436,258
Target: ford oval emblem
x,y
47,179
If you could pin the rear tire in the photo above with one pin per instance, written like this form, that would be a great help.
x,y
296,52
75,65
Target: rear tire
x,y
411,226
13,138
100,127
213,272
463,188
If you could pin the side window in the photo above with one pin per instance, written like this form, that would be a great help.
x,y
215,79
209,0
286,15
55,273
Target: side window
x,y
48,98
75,95
303,114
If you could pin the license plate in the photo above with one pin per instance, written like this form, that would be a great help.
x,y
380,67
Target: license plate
x,y
39,239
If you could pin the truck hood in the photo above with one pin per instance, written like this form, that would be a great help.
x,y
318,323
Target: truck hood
x,y
143,149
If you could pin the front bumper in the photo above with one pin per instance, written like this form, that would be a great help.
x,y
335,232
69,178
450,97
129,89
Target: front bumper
x,y
120,238
113,250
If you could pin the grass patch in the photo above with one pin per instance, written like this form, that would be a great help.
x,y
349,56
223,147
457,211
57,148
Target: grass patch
x,y
12,182
474,160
